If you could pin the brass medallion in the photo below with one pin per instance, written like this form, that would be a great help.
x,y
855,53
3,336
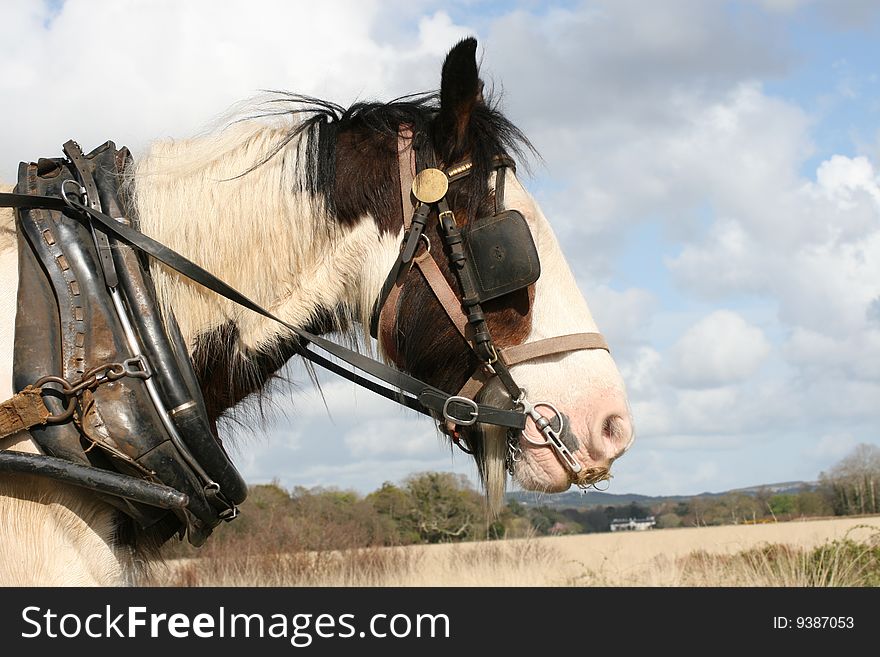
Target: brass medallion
x,y
430,185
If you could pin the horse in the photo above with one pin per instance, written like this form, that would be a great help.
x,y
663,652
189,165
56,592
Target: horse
x,y
354,221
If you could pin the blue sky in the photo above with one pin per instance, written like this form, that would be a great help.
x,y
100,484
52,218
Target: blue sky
x,y
712,170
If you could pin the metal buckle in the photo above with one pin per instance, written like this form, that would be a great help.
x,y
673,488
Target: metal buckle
x,y
230,514
475,411
451,217
137,367
80,191
65,391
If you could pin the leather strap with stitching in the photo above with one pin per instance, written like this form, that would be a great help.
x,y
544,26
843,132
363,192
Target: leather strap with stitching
x,y
406,172
444,293
555,345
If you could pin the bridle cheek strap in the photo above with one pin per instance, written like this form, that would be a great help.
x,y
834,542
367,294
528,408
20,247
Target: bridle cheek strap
x,y
406,160
444,292
406,171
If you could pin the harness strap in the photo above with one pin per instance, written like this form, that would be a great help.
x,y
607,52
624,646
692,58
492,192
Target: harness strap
x,y
387,332
444,293
499,189
555,345
74,153
406,160
97,479
22,411
482,340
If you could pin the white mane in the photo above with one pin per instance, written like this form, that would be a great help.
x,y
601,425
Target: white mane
x,y
249,230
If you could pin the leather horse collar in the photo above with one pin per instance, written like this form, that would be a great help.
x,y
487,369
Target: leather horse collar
x,y
123,409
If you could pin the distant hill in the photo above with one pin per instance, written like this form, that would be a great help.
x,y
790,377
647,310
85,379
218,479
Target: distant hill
x,y
582,499
784,487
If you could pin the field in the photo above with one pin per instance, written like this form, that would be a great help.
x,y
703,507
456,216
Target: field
x,y
828,552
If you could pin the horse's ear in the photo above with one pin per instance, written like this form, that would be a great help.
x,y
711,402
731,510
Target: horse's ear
x,y
460,91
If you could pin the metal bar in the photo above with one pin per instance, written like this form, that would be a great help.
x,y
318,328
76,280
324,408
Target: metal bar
x,y
102,481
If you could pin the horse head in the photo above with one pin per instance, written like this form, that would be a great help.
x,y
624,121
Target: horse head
x,y
574,386
344,188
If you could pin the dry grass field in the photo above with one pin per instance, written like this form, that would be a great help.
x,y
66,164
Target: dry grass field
x,y
829,552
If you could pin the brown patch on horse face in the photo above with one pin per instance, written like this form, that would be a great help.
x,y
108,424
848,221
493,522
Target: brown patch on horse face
x,y
428,345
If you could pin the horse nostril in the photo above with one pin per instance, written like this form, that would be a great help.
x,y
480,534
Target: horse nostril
x,y
608,427
616,431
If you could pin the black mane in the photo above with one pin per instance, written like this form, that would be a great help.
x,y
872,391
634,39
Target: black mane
x,y
320,123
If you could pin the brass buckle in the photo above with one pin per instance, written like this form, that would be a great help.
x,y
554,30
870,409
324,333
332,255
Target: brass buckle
x,y
451,217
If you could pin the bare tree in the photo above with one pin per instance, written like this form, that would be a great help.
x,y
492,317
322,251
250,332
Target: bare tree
x,y
853,482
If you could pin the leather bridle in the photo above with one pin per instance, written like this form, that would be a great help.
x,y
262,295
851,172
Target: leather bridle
x,y
419,201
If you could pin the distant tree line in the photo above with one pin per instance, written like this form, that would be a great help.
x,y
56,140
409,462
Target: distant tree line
x,y
441,507
850,487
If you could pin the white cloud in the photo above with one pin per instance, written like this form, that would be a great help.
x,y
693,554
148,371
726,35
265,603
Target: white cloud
x,y
819,355
642,372
832,447
818,253
392,436
169,68
784,5
622,316
720,349
842,177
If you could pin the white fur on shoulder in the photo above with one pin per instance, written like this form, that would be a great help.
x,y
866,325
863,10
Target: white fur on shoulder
x,y
55,535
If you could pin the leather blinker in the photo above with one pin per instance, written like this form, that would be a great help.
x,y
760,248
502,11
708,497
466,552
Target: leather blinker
x,y
503,255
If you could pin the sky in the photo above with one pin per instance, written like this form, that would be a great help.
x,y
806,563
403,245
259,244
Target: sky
x,y
712,170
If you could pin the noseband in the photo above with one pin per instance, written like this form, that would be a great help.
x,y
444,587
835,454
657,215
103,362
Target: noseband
x,y
494,257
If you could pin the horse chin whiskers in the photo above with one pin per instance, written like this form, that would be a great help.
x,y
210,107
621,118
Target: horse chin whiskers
x,y
590,477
